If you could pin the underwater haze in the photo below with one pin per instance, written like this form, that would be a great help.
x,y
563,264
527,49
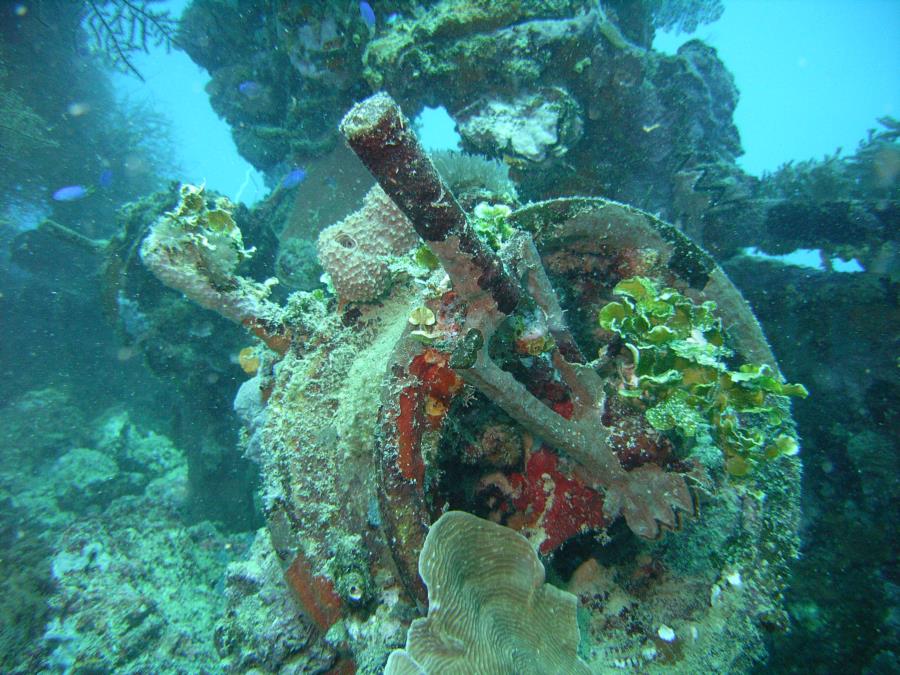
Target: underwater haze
x,y
396,336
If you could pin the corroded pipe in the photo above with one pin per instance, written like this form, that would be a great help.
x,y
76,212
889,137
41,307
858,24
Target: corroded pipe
x,y
379,133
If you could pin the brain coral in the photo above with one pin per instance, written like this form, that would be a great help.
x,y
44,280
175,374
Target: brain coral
x,y
356,252
489,610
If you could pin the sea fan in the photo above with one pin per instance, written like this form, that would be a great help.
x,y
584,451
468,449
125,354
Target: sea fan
x,y
119,28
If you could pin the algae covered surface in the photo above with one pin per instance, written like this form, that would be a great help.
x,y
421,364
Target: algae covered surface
x,y
552,401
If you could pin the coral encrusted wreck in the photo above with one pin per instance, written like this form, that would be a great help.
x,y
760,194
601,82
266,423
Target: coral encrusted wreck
x,y
517,366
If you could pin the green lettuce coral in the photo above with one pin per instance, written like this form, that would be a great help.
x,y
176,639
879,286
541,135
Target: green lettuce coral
x,y
680,369
491,225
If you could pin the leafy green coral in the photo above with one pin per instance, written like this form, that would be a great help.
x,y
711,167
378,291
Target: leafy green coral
x,y
680,371
491,225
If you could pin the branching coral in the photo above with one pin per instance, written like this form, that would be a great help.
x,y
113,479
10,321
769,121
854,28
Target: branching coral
x,y
122,27
23,133
21,129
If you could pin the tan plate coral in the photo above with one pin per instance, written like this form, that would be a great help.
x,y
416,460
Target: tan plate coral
x,y
489,608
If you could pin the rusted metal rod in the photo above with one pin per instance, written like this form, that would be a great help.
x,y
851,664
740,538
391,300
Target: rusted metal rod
x,y
379,133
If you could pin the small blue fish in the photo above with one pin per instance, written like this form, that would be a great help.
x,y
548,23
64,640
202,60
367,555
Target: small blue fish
x,y
367,13
294,178
106,178
70,193
250,89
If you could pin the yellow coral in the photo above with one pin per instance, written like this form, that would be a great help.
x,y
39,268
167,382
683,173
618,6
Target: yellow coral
x,y
248,360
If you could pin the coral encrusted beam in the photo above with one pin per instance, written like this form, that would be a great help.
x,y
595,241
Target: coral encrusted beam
x,y
382,137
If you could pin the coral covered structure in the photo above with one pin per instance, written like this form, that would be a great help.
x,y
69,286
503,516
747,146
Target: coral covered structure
x,y
475,377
